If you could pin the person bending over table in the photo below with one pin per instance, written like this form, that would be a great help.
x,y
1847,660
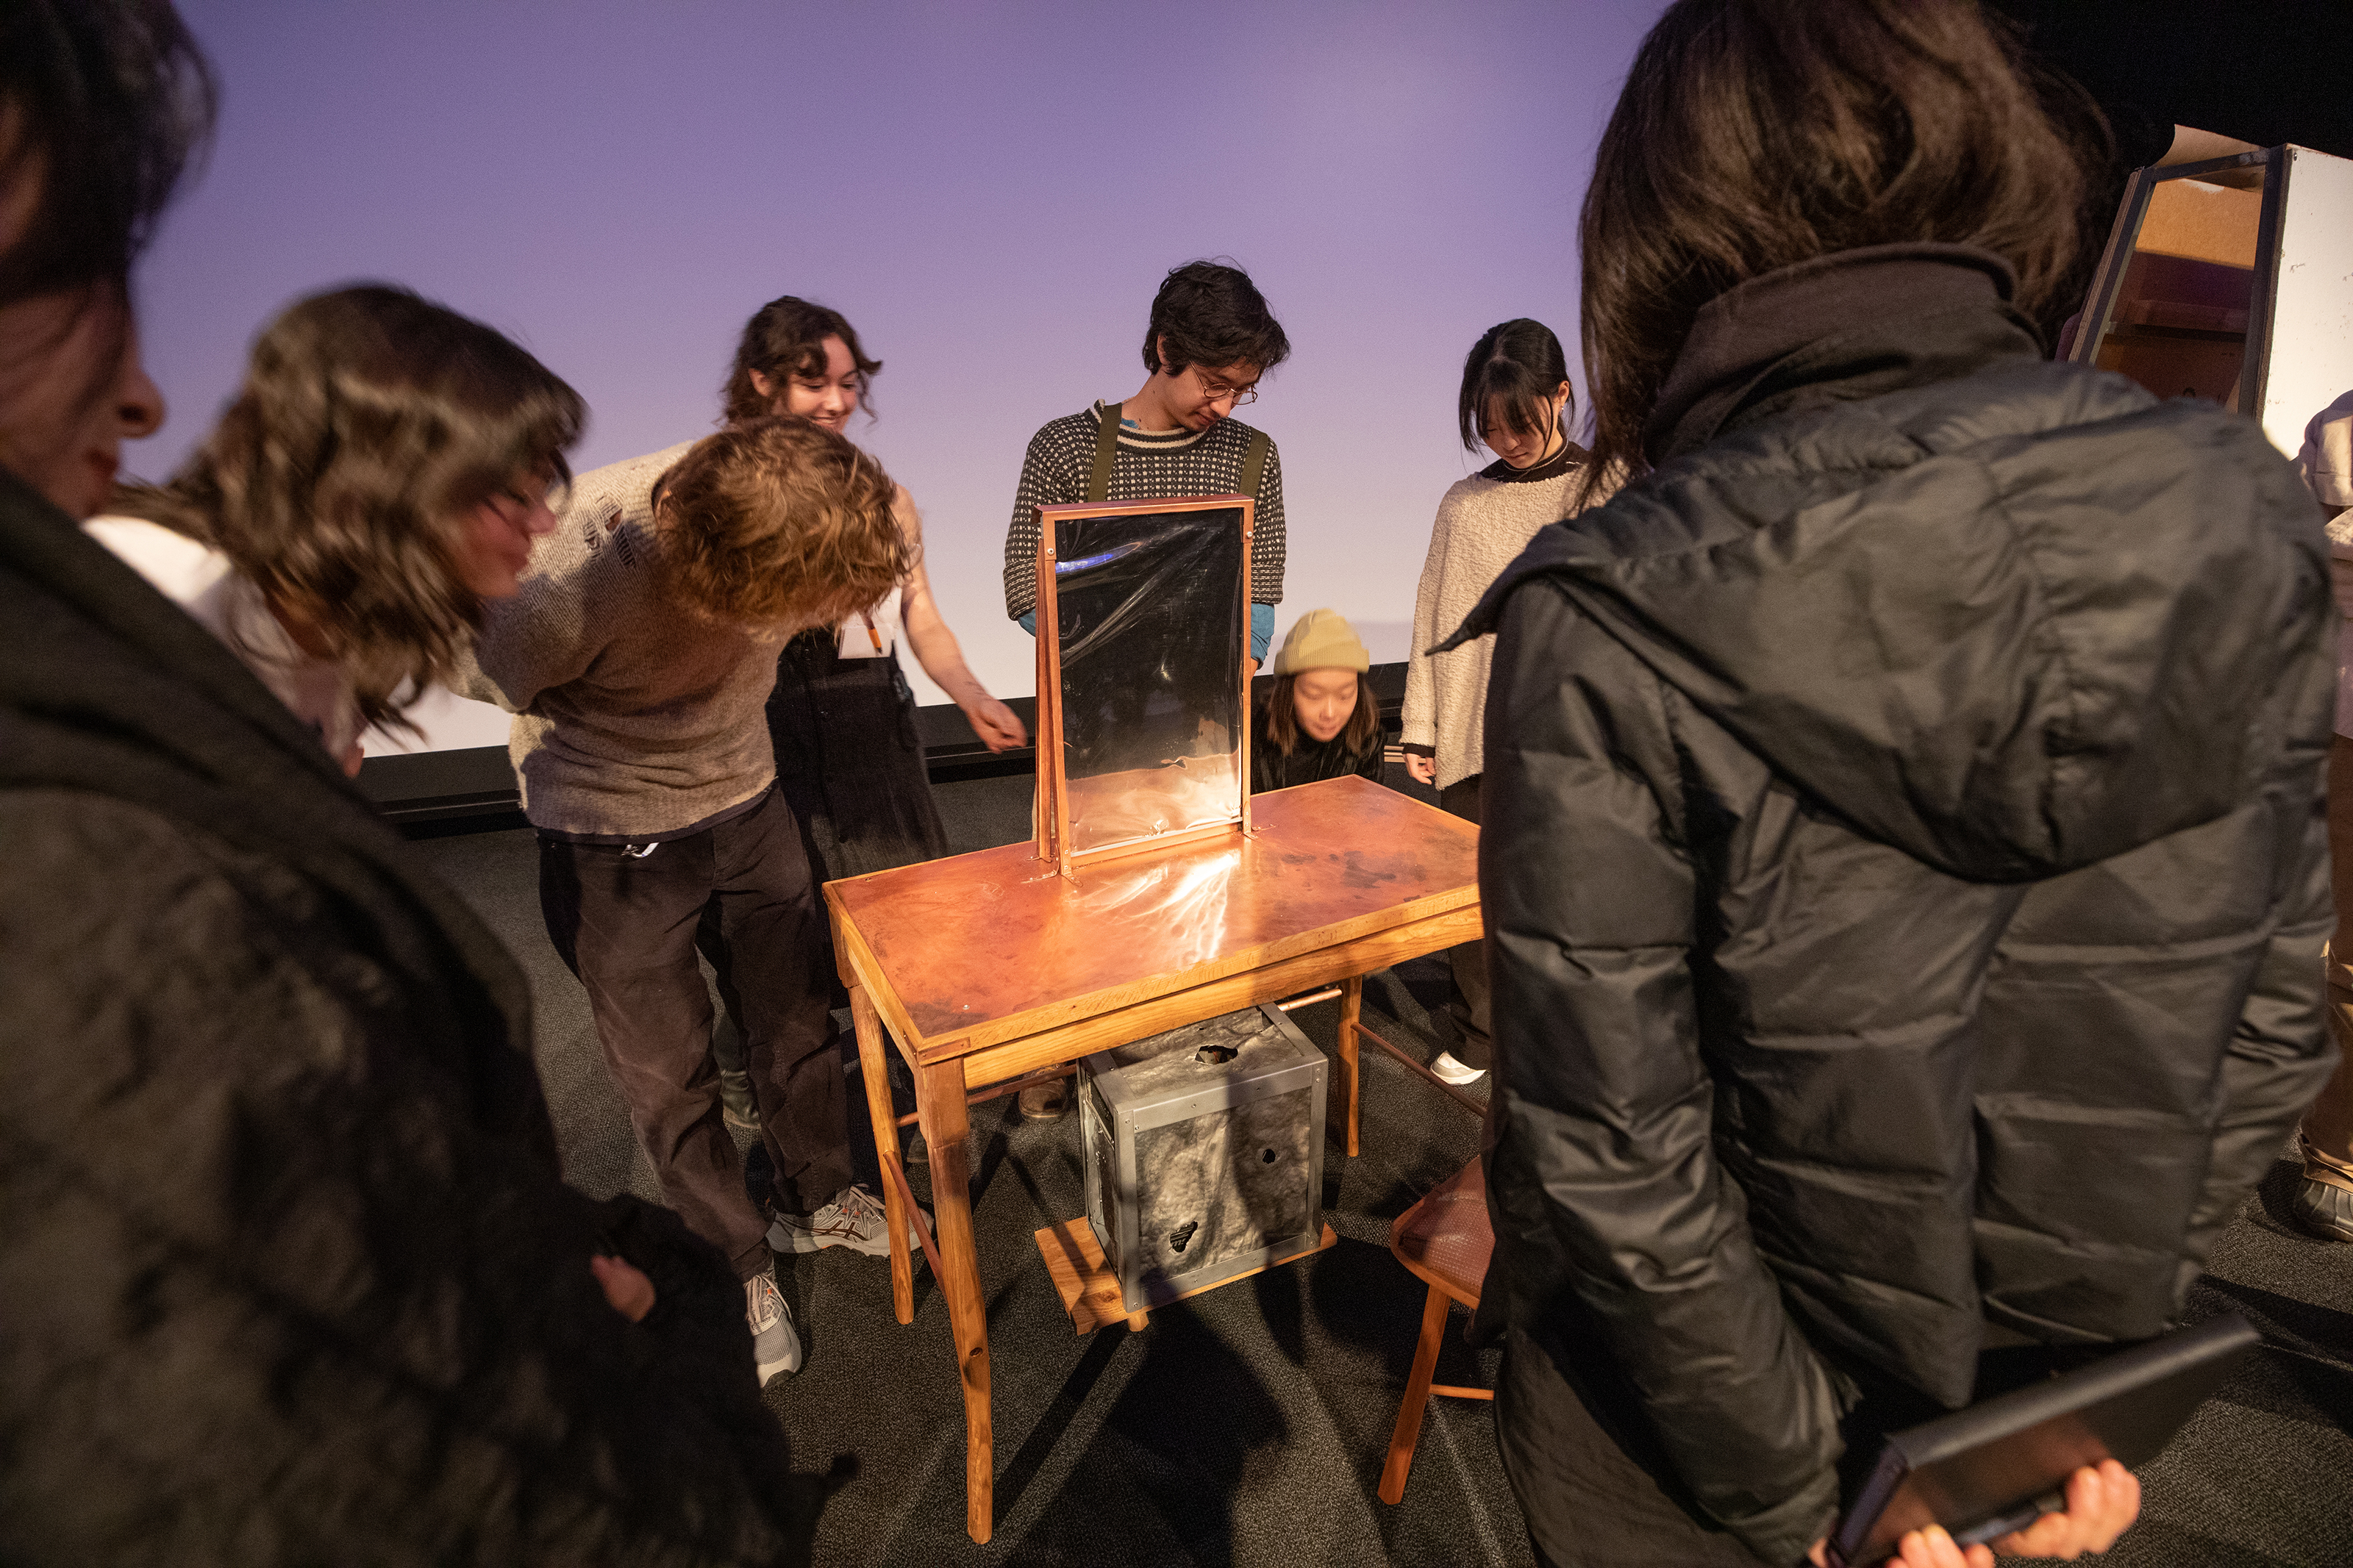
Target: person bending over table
x,y
636,660
1902,848
1319,720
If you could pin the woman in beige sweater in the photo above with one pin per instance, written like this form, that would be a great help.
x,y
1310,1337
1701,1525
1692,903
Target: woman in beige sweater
x,y
1517,400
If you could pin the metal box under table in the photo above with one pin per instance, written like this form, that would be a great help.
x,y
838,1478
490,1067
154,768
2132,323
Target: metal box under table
x,y
1204,1152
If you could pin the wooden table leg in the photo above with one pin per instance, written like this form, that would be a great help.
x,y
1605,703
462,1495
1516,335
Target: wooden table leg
x,y
874,1068
940,1107
1352,1008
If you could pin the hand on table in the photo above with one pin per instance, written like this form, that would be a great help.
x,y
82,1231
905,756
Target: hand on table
x,y
1423,769
998,727
624,1286
2101,1505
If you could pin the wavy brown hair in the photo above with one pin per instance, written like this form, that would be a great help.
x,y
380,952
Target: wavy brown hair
x,y
1754,135
342,479
785,338
1363,728
780,524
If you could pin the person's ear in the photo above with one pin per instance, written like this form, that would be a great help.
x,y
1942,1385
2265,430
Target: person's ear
x,y
1160,352
763,386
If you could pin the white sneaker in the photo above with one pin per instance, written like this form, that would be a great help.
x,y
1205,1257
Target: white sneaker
x,y
854,1219
774,1347
1449,1070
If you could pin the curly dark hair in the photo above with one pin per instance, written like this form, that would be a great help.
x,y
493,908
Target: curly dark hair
x,y
1519,362
1208,313
786,337
780,524
341,478
1754,135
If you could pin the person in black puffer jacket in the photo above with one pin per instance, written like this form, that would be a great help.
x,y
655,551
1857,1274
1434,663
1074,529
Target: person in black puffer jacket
x,y
1903,858
287,1271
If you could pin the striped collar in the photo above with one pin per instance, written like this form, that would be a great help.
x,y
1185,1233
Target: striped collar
x,y
1134,435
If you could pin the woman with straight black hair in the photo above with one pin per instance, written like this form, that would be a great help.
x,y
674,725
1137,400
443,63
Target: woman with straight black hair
x,y
1902,850
1516,401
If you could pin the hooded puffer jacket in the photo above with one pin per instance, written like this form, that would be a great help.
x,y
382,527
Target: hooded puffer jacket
x,y
1904,867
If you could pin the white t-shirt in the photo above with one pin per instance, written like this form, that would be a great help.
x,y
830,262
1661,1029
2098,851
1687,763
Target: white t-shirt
x,y
2326,465
201,581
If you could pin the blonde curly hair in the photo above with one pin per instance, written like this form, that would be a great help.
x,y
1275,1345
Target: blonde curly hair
x,y
780,524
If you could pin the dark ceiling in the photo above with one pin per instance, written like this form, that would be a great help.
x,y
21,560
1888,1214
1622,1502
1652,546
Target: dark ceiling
x,y
2265,71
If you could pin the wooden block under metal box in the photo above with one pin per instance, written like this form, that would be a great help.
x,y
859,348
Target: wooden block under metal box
x,y
1204,1152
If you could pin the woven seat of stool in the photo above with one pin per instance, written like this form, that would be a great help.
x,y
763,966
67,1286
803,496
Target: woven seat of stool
x,y
1446,1239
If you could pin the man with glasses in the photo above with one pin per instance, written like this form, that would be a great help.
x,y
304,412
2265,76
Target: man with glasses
x,y
1209,339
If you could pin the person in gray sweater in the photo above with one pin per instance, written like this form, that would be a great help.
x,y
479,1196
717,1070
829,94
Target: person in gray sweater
x,y
636,660
1516,401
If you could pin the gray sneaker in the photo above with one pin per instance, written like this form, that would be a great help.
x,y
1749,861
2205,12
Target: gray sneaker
x,y
774,1347
854,1219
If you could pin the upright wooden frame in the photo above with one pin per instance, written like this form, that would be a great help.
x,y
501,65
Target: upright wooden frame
x,y
1053,824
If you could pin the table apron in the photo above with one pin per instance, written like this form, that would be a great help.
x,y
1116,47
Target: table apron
x,y
1068,1042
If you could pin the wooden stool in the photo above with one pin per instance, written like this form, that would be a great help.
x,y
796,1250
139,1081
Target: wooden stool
x,y
1446,1241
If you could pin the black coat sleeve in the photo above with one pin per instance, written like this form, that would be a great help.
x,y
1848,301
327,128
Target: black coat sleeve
x,y
273,1298
1603,1178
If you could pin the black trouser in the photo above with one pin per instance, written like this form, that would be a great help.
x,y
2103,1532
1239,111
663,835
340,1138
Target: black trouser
x,y
628,919
1594,1487
1468,1005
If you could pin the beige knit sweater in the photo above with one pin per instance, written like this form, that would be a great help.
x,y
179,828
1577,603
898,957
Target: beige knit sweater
x,y
634,719
1482,525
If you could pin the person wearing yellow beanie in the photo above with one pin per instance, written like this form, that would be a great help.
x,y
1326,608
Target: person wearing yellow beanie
x,y
1319,722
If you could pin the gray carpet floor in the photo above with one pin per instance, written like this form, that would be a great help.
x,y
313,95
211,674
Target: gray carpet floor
x,y
1246,1425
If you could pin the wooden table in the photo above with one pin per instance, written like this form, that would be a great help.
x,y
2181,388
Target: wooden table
x,y
989,968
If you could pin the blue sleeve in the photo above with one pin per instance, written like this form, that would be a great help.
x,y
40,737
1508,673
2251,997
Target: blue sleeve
x,y
1262,630
1028,623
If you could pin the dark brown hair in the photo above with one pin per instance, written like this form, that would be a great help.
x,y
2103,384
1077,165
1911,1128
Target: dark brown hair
x,y
111,103
1363,725
102,107
785,338
1212,315
779,524
341,478
1520,363
1754,135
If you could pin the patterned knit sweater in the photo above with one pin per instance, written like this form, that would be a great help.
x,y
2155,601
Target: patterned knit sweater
x,y
1161,465
1483,523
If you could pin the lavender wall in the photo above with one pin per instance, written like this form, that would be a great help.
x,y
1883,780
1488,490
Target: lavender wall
x,y
991,193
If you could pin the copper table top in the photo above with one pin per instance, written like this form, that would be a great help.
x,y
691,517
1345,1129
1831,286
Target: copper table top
x,y
993,945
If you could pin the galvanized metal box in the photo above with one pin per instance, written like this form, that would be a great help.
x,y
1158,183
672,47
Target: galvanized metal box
x,y
1204,1152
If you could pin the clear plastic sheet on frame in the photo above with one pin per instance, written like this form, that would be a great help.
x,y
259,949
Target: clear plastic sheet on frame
x,y
1149,609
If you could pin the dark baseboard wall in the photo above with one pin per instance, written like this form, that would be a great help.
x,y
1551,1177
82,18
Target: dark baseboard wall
x,y
473,790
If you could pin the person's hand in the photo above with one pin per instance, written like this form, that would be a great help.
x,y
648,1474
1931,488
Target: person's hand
x,y
1423,769
624,1286
998,727
2101,1505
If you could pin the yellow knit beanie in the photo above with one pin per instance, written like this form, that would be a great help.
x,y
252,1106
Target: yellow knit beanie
x,y
1321,639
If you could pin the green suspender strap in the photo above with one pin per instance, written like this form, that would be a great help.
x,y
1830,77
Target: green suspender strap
x,y
1106,447
1255,464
